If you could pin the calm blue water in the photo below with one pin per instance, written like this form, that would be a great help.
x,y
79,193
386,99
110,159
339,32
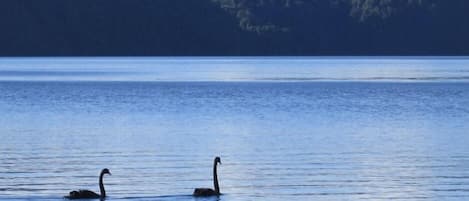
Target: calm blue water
x,y
285,128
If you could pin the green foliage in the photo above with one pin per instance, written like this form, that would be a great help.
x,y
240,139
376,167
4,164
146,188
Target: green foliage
x,y
258,15
234,27
365,9
261,15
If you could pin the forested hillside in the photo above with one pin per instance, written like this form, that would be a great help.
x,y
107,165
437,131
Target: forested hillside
x,y
233,27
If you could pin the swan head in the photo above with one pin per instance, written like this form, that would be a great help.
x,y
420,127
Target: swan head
x,y
218,160
106,171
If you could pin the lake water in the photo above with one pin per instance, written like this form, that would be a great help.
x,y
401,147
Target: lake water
x,y
307,128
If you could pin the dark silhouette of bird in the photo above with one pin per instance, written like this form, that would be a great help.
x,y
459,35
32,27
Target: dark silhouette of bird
x,y
205,192
87,194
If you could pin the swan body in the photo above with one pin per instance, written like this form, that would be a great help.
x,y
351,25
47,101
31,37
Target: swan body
x,y
83,194
87,194
206,192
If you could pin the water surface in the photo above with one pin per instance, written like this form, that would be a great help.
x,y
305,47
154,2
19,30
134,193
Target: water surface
x,y
285,128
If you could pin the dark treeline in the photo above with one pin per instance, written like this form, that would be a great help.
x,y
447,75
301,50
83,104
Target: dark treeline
x,y
233,27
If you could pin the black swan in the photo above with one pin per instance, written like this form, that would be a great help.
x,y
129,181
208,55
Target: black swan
x,y
87,194
205,192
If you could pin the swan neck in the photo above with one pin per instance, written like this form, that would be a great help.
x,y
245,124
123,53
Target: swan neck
x,y
101,186
215,178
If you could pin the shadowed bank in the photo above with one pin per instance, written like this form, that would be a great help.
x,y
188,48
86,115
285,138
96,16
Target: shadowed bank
x,y
229,28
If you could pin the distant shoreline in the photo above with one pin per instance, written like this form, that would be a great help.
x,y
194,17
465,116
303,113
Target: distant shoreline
x,y
251,57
